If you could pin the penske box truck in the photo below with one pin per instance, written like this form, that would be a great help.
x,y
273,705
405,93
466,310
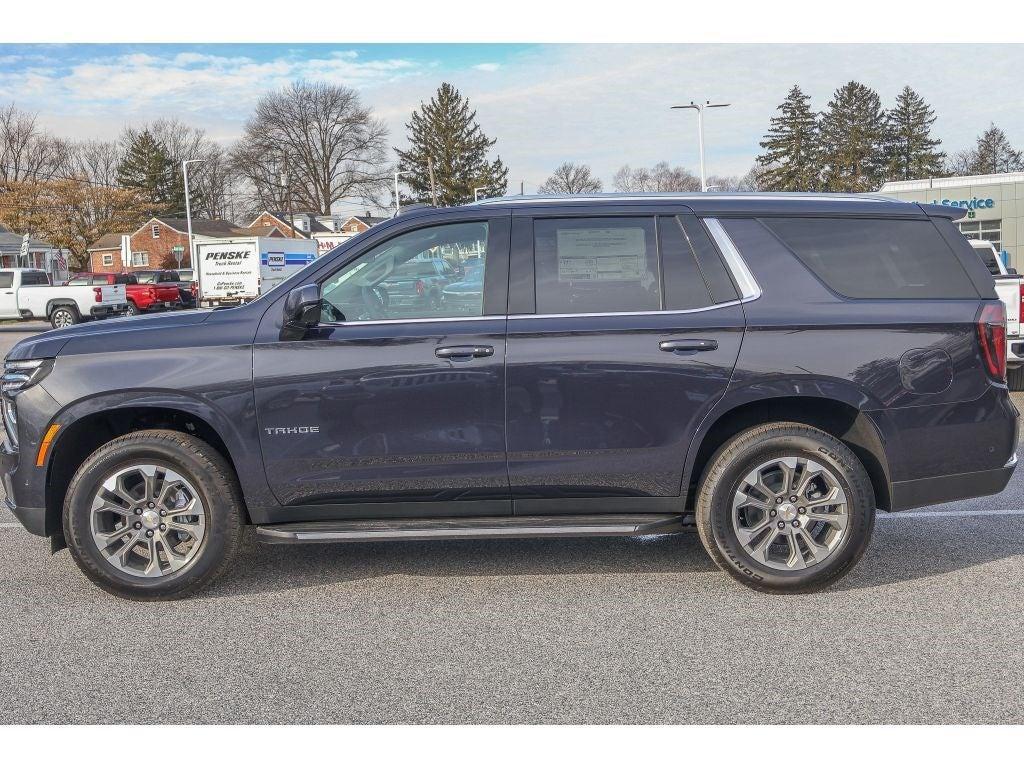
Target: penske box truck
x,y
234,270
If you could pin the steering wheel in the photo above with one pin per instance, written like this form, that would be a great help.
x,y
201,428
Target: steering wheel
x,y
376,302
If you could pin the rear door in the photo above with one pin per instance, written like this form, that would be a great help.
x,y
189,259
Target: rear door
x,y
623,332
8,295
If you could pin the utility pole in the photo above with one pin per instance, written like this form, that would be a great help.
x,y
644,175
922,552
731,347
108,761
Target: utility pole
x,y
433,189
188,218
522,187
700,134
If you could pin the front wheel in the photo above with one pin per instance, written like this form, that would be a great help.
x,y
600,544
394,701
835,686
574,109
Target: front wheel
x,y
62,317
785,507
154,515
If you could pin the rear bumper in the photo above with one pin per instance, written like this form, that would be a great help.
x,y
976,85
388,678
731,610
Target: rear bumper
x,y
106,310
937,490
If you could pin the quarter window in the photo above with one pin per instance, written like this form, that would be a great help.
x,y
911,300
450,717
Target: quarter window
x,y
876,258
431,272
597,265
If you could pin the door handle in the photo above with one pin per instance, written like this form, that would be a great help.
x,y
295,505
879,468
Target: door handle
x,y
463,353
688,345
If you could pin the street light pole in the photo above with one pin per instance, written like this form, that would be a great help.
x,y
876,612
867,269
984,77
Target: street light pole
x,y
398,204
188,219
700,134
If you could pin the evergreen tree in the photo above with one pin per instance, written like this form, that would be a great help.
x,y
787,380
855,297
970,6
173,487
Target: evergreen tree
x,y
146,166
992,154
852,140
912,152
790,162
446,131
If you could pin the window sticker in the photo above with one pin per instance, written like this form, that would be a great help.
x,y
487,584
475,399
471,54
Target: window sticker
x,y
601,255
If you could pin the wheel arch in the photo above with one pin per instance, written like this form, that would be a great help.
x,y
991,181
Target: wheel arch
x,y
92,427
839,418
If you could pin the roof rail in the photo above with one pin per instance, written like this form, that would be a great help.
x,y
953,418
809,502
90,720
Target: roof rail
x,y
412,207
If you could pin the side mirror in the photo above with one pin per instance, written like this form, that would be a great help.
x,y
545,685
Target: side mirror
x,y
301,312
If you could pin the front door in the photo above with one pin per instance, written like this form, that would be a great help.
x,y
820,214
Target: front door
x,y
628,345
397,397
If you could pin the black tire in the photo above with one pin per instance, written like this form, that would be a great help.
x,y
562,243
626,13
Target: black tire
x,y
131,309
204,468
1015,378
742,455
64,315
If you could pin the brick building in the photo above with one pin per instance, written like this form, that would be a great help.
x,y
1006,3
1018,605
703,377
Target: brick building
x,y
329,231
157,242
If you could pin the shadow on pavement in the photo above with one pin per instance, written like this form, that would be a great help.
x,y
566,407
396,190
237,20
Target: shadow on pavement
x,y
268,568
900,551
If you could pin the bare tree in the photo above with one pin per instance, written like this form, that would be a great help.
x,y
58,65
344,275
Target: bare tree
x,y
571,179
27,153
660,178
316,144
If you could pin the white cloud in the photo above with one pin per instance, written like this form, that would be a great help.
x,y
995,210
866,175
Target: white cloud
x,y
605,105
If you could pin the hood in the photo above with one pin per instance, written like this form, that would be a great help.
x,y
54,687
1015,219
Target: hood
x,y
50,343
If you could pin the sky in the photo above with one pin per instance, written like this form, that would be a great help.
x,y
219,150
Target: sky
x,y
603,105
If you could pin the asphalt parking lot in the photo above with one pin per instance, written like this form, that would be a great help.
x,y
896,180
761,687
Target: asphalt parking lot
x,y
926,629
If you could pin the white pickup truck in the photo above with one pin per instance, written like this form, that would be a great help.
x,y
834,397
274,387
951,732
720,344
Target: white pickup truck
x,y
1010,289
26,294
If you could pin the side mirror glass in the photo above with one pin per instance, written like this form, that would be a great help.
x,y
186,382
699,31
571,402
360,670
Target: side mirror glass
x,y
301,311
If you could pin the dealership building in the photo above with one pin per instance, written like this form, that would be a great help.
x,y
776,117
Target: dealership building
x,y
994,205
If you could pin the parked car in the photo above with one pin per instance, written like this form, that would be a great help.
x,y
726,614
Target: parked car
x,y
26,294
141,298
418,282
770,368
162,277
469,290
1010,289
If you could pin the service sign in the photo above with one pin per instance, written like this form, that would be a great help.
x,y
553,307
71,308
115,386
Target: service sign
x,y
229,271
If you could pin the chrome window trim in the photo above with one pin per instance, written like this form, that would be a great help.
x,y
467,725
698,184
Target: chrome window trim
x,y
400,321
745,281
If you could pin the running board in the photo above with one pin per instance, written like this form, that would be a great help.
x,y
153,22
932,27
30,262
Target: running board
x,y
425,529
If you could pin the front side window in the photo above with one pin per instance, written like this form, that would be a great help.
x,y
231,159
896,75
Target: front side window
x,y
407,277
596,265
876,258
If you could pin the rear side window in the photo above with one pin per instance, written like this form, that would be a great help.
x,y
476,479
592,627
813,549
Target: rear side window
x,y
988,256
6,279
597,265
876,258
684,285
34,278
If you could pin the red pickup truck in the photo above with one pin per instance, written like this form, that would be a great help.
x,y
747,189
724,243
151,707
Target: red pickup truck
x,y
141,298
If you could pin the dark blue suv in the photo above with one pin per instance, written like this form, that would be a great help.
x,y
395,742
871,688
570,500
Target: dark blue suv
x,y
771,368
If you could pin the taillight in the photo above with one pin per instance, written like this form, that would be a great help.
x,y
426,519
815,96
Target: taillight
x,y
98,292
421,287
991,324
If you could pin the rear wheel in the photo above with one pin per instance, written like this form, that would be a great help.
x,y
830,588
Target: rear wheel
x,y
785,507
131,309
62,317
154,515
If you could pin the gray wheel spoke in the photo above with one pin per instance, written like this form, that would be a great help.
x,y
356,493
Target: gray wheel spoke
x,y
788,519
152,506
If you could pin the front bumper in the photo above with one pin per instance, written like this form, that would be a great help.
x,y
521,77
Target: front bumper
x,y
33,518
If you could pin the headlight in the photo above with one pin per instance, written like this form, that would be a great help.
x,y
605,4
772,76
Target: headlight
x,y
19,375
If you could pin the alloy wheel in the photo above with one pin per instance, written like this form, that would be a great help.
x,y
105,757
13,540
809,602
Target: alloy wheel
x,y
147,520
790,513
62,318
